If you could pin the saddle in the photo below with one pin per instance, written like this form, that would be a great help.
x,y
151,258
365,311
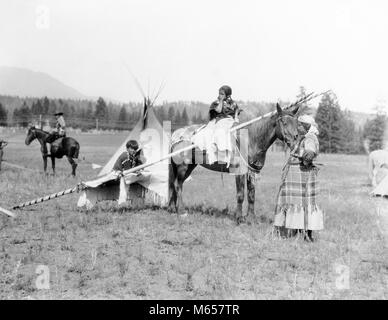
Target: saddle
x,y
55,137
238,163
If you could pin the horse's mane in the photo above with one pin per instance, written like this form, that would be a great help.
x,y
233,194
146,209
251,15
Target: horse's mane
x,y
258,129
40,130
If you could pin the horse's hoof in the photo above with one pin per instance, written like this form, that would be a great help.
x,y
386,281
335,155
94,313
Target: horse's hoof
x,y
240,220
172,210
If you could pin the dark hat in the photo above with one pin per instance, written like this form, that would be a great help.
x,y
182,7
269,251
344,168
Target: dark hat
x,y
58,114
227,90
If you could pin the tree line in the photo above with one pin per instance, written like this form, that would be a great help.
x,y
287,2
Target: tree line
x,y
88,115
338,133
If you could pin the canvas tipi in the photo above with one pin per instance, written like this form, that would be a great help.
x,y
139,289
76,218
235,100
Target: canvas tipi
x,y
151,184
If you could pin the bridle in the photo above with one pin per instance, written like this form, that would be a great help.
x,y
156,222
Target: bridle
x,y
33,135
246,162
281,126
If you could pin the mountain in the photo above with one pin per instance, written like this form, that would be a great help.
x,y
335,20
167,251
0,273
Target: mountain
x,y
27,83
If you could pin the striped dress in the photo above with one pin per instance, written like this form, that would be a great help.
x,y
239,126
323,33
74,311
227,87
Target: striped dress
x,y
296,205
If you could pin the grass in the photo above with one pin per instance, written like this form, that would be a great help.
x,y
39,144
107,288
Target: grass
x,y
152,254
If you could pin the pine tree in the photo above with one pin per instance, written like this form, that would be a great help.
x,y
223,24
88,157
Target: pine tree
x,y
178,118
22,116
171,114
184,117
351,139
123,116
101,112
37,108
303,106
3,116
89,112
52,108
329,119
66,109
374,132
45,105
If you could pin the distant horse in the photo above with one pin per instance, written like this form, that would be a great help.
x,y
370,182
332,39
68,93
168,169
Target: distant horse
x,y
68,147
262,134
377,160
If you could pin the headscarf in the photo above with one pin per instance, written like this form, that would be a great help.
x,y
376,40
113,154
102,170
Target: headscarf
x,y
309,120
227,90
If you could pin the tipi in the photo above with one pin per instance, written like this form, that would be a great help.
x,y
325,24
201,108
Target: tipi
x,y
151,184
381,181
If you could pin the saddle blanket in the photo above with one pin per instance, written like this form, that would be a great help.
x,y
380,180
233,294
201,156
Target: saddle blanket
x,y
217,147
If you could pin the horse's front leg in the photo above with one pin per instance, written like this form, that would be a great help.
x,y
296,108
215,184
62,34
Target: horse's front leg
x,y
45,163
53,164
240,189
43,149
179,194
172,204
251,182
182,173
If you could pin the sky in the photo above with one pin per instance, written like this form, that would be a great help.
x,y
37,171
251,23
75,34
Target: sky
x,y
265,50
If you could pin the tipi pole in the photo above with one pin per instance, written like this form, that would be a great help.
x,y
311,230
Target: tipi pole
x,y
304,99
47,198
168,156
7,212
240,126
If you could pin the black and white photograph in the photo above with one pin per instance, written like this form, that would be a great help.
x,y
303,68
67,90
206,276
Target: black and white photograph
x,y
193,150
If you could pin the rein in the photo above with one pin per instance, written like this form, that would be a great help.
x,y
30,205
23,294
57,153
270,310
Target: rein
x,y
281,125
283,135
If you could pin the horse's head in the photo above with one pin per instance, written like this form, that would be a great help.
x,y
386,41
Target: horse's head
x,y
287,125
31,135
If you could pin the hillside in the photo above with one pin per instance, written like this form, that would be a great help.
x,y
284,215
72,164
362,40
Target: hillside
x,y
27,83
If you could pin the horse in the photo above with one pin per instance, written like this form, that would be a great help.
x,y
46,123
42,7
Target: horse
x,y
282,125
66,146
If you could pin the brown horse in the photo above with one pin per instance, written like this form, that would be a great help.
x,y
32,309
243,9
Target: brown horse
x,y
281,125
68,147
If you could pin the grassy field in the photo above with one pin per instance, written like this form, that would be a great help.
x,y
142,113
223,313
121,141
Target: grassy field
x,y
112,252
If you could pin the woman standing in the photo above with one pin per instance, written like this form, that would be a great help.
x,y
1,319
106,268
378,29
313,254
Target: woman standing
x,y
296,205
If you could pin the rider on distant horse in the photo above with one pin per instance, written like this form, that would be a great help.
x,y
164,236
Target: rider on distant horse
x,y
60,127
215,137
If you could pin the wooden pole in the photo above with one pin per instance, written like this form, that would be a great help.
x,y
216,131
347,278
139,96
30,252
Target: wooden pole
x,y
170,155
47,198
7,212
